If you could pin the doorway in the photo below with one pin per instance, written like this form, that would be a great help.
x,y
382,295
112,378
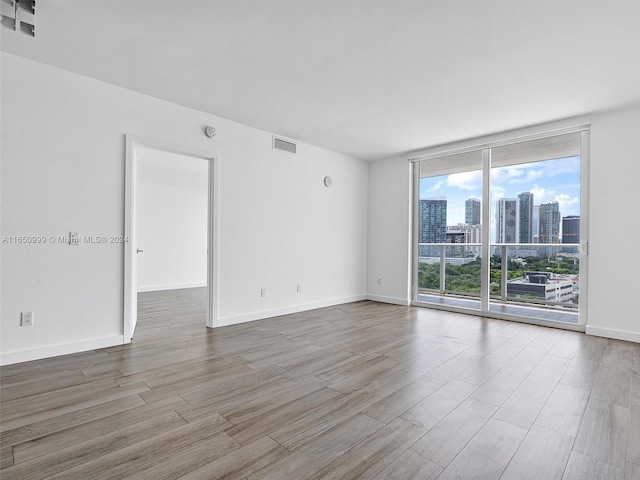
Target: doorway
x,y
170,227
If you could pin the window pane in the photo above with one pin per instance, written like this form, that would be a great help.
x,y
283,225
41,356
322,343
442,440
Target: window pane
x,y
449,212
535,201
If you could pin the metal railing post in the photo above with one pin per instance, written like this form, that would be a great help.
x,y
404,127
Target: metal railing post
x,y
442,268
504,273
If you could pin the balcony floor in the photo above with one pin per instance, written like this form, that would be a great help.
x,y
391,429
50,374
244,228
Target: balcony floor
x,y
496,307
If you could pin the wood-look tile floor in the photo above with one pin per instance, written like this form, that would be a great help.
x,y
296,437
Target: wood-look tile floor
x,y
363,390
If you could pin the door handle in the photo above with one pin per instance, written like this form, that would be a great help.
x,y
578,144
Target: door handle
x,y
139,251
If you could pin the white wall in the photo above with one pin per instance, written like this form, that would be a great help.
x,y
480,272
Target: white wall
x,y
63,147
614,222
389,242
171,221
614,283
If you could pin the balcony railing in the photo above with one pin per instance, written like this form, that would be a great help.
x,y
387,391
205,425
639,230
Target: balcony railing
x,y
535,274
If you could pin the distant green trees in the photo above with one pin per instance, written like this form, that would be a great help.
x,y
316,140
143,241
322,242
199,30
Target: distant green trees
x,y
466,278
459,278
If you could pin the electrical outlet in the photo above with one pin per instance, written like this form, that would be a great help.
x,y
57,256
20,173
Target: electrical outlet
x,y
26,319
379,281
299,288
263,292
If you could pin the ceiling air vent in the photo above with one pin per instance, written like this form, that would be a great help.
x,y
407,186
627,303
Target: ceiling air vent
x,y
285,145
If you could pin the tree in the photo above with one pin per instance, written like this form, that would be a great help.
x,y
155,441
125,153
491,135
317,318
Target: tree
x,y
466,279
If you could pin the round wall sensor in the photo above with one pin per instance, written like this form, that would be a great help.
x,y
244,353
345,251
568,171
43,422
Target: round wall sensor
x,y
328,181
210,132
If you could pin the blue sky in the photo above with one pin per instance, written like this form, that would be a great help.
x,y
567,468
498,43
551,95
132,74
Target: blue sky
x,y
548,180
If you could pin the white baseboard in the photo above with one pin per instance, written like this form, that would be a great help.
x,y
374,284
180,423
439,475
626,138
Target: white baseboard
x,y
173,286
249,317
396,301
613,333
9,358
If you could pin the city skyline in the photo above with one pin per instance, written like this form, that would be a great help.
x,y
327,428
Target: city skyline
x,y
551,180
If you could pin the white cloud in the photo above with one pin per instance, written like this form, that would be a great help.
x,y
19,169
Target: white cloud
x,y
436,186
465,180
565,200
515,176
509,175
561,166
497,192
533,175
541,194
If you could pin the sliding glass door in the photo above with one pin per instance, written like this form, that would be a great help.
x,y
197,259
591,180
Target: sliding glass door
x,y
449,227
498,230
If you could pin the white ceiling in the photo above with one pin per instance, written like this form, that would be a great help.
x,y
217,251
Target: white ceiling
x,y
369,78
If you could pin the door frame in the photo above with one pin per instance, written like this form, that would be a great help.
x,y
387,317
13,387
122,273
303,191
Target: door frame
x,y
130,263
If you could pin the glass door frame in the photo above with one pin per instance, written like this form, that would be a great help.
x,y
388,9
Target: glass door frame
x,y
485,145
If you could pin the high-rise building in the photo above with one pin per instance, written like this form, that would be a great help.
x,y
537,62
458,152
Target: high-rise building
x,y
455,237
506,220
432,224
470,233
464,233
571,229
549,222
525,220
535,224
472,211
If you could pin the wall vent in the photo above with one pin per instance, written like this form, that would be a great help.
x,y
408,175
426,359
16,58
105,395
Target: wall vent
x,y
284,145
